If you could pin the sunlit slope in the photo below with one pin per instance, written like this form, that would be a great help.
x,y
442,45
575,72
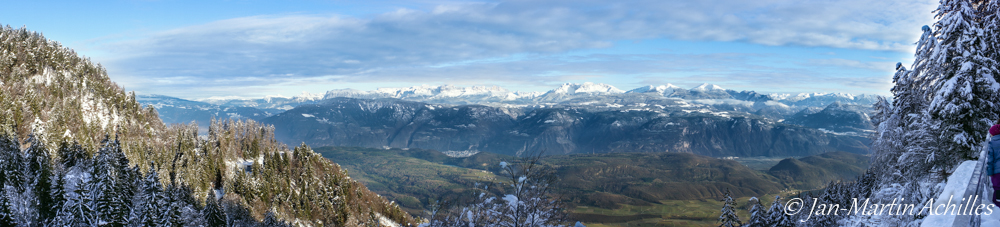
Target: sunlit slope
x,y
51,92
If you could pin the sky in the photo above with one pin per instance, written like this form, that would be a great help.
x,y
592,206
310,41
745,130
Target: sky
x,y
250,48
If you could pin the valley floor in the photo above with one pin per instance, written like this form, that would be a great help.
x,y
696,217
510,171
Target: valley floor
x,y
667,213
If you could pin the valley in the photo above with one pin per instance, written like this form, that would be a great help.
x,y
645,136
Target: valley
x,y
613,189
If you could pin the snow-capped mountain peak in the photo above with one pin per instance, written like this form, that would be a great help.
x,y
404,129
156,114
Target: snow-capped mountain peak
x,y
665,90
221,99
306,96
707,87
802,96
268,98
344,92
587,87
444,91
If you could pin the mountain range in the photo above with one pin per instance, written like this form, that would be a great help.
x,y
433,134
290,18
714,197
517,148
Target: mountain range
x,y
570,119
494,95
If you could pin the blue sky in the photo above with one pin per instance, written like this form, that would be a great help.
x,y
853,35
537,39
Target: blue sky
x,y
200,49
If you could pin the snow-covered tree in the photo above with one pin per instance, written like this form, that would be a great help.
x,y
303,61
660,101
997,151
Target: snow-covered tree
x,y
48,211
777,217
112,195
148,202
78,208
214,216
271,221
21,186
964,98
190,216
9,162
180,200
728,218
38,163
237,214
758,216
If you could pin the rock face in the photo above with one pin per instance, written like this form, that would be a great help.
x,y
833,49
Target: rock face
x,y
554,129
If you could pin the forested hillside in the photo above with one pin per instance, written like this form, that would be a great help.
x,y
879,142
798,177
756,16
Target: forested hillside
x,y
78,150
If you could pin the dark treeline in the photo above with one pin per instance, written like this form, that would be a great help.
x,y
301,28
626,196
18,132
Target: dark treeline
x,y
72,188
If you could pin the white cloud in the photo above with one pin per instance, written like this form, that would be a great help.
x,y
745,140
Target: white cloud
x,y
883,66
403,44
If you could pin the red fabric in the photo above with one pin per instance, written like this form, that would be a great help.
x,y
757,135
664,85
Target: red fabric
x,y
995,130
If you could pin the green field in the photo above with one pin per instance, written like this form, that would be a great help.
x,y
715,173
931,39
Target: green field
x,y
667,213
616,189
759,163
412,182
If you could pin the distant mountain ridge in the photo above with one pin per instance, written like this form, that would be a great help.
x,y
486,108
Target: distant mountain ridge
x,y
487,95
662,125
572,116
777,106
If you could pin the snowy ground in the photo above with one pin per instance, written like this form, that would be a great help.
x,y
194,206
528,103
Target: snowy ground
x,y
994,218
958,182
967,175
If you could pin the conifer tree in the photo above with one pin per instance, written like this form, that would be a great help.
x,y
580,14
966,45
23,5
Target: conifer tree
x,y
39,165
964,94
177,202
213,213
9,161
729,217
21,194
830,195
237,214
148,202
271,221
78,209
777,216
758,216
989,12
56,193
112,199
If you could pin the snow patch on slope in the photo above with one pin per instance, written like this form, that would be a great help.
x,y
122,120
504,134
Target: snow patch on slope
x,y
382,220
723,101
95,112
